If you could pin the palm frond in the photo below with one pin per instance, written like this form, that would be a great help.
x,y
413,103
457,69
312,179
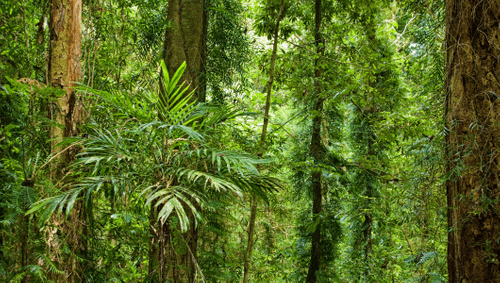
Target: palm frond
x,y
175,106
176,199
208,180
258,184
165,142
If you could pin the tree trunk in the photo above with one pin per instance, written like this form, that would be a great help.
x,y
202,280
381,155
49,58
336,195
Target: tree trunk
x,y
251,231
2,218
202,93
25,233
316,149
64,69
368,223
185,41
472,107
253,207
371,116
172,253
154,254
24,227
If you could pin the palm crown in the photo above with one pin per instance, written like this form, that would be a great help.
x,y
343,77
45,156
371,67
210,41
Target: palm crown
x,y
162,152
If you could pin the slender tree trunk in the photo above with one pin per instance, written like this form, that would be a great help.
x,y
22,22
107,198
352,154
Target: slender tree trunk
x,y
2,255
24,245
154,254
472,107
172,254
316,149
368,223
251,231
25,234
202,94
64,69
371,115
253,206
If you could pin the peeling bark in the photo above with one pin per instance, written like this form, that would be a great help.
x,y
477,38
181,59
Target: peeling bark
x,y
63,71
473,120
64,68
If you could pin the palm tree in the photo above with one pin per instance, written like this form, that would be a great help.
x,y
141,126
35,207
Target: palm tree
x,y
163,151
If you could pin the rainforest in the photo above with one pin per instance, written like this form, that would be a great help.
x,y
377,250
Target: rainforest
x,y
249,141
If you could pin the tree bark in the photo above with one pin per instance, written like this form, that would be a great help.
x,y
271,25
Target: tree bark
x,y
202,93
316,149
251,231
64,70
370,116
185,41
25,234
254,203
64,67
368,223
472,107
154,253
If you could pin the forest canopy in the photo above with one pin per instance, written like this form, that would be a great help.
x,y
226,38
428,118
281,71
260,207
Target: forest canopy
x,y
249,141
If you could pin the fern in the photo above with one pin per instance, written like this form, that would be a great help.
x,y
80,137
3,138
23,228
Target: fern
x,y
426,257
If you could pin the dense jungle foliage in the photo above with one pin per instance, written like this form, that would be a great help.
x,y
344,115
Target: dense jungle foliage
x,y
249,141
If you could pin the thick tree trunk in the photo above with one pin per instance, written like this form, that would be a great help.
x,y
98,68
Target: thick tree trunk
x,y
253,206
317,150
472,117
185,41
64,69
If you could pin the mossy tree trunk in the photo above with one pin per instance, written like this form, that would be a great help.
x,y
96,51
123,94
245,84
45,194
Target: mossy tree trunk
x,y
473,121
64,70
